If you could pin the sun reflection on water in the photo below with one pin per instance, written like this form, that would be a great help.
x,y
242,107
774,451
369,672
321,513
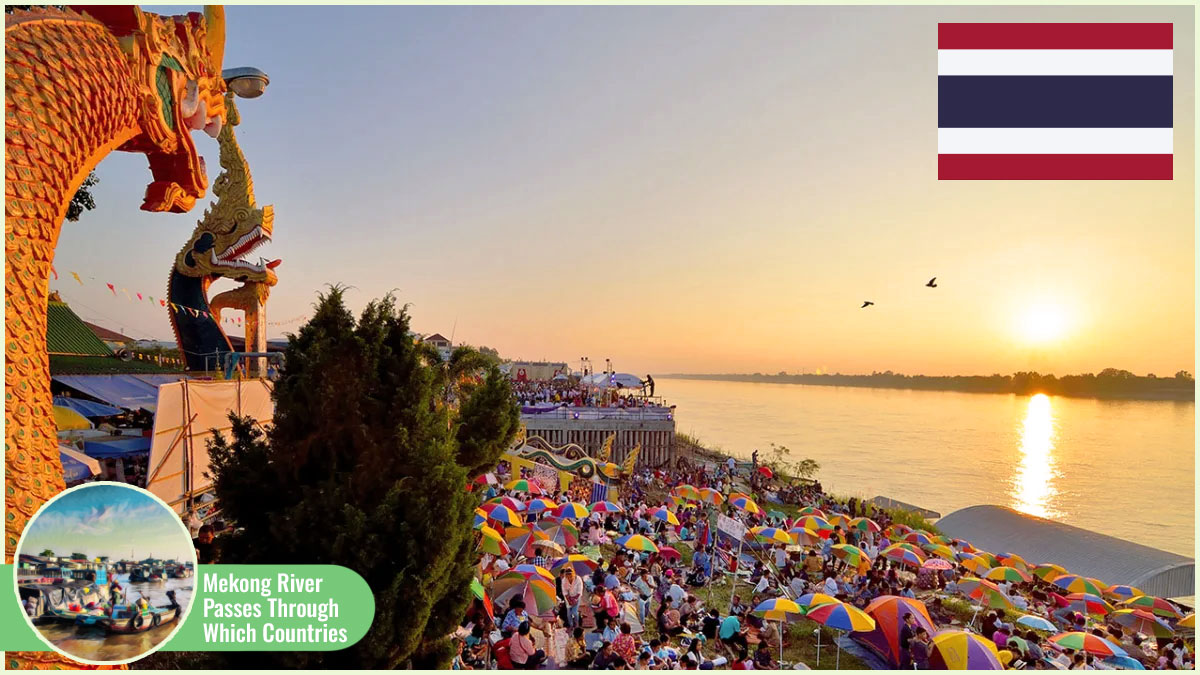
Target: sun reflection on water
x,y
1033,485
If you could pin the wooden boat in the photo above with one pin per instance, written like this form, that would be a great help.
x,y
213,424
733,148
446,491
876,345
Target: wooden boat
x,y
123,622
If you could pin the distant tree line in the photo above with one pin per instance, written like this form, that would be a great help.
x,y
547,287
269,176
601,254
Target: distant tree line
x,y
1108,383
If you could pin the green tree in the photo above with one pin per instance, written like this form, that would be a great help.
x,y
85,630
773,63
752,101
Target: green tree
x,y
82,201
365,467
47,553
451,375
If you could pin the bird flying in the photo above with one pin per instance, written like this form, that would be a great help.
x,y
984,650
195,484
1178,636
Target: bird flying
x,y
866,303
931,283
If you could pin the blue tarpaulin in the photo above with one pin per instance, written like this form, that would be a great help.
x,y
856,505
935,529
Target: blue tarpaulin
x,y
124,391
86,408
117,447
73,469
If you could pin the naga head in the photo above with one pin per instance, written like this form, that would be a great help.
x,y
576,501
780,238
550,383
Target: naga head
x,y
175,62
234,226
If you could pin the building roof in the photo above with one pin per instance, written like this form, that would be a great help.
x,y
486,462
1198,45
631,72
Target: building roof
x,y
66,333
436,337
106,334
1083,552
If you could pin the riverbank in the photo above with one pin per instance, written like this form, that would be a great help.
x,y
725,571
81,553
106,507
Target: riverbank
x,y
1123,386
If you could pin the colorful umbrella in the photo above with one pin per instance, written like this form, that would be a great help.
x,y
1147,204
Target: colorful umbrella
x,y
511,502
902,555
711,496
604,507
812,511
816,524
1077,584
897,531
522,485
530,571
561,532
840,519
549,546
686,492
779,609
984,592
480,519
960,650
1156,606
1006,574
1188,621
1093,644
937,564
665,516
477,589
1013,560
536,592
918,538
840,616
1142,622
777,515
939,550
772,534
538,505
1089,603
1123,592
521,539
991,560
636,542
976,565
66,419
669,553
1036,623
889,612
850,554
865,525
805,537
909,547
492,542
810,600
745,503
571,510
583,565
502,514
1048,571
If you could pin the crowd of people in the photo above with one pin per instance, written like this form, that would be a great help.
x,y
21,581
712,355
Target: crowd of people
x,y
572,394
649,611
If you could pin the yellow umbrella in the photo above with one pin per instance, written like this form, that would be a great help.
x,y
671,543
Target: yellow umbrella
x,y
69,420
1188,621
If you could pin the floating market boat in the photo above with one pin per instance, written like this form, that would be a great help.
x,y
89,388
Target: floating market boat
x,y
130,619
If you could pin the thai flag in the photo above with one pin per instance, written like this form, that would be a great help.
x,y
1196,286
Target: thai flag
x,y
1055,101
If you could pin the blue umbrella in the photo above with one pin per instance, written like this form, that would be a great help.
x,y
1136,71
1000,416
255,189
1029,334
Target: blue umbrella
x,y
1125,662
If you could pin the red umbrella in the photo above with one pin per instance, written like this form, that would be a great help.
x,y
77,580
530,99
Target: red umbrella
x,y
766,471
669,553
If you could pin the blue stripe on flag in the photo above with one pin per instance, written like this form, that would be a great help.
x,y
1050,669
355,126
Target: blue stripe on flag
x,y
599,492
1055,101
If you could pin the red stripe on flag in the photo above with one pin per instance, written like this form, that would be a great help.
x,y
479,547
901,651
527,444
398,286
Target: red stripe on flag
x,y
1054,167
1054,36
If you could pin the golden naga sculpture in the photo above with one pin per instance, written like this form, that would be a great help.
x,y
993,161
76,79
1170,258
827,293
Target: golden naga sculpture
x,y
79,85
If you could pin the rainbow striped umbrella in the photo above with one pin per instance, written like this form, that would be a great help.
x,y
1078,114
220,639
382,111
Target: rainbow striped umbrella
x,y
1123,592
805,537
1089,603
571,510
536,592
745,503
960,650
816,524
975,565
1188,621
840,616
810,600
583,565
561,532
1143,622
991,560
686,492
1077,584
903,555
939,550
1156,606
522,539
604,507
919,538
665,516
480,519
812,511
490,541
1006,574
502,514
937,564
850,554
985,592
530,571
772,534
1049,571
897,531
538,505
511,502
636,542
1093,644
778,609
711,496
522,485
864,524
1013,560
840,519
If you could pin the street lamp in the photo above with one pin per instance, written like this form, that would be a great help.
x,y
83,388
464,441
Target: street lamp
x,y
246,82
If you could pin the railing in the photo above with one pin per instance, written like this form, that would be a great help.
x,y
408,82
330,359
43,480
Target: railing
x,y
655,413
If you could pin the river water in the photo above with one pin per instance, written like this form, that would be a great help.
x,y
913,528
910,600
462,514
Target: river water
x,y
95,645
1123,468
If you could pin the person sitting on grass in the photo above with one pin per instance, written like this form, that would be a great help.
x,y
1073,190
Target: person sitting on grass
x,y
521,651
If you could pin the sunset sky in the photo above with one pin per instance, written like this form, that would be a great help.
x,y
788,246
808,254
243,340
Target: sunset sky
x,y
690,189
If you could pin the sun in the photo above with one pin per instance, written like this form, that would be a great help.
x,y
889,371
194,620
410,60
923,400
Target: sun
x,y
1042,323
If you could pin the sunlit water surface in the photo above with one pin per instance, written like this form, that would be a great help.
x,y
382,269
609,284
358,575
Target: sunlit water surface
x,y
1124,468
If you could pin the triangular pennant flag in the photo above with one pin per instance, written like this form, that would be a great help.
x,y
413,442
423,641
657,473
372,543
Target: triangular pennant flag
x,y
111,288
54,273
76,275
151,298
139,296
127,294
163,303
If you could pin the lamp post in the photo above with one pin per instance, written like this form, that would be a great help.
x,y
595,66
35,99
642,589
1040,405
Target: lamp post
x,y
246,82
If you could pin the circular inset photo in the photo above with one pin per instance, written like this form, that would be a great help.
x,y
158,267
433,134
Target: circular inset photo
x,y
105,573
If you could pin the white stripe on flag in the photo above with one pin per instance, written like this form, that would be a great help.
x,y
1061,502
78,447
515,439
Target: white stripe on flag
x,y
1054,141
1055,62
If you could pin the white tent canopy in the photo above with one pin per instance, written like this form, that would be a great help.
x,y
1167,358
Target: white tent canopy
x,y
614,381
187,412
